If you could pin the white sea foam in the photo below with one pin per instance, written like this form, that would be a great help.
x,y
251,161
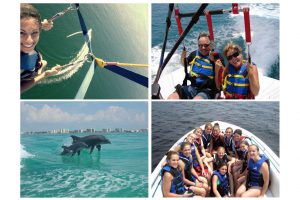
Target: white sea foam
x,y
24,153
69,71
264,33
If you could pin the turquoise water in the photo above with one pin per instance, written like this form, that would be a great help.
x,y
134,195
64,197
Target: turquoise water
x,y
119,33
120,169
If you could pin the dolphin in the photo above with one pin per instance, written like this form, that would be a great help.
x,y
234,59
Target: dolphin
x,y
74,148
92,141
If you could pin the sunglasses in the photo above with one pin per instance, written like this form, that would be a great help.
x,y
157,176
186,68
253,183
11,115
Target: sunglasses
x,y
236,54
203,45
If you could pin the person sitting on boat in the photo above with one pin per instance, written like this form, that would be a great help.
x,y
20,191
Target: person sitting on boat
x,y
190,176
240,77
220,182
32,64
195,154
206,138
258,176
205,168
203,73
228,141
221,157
240,165
172,179
217,139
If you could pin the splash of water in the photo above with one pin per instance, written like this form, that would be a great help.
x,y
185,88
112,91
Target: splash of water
x,y
69,71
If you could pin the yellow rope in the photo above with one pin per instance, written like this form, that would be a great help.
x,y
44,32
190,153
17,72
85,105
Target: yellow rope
x,y
101,63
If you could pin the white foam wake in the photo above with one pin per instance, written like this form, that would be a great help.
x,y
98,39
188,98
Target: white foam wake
x,y
69,71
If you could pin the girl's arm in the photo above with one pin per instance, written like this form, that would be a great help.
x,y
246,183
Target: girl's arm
x,y
167,180
214,186
266,176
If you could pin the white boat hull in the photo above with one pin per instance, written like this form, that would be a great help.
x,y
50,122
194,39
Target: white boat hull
x,y
269,87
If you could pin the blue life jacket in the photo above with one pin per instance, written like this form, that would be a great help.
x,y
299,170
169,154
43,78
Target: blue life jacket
x,y
177,185
30,64
236,84
206,139
188,163
195,161
229,146
222,184
255,178
201,69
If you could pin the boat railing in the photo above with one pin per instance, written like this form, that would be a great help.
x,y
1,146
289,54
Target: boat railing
x,y
263,148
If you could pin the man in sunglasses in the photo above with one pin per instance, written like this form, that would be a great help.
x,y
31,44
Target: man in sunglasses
x,y
203,73
241,76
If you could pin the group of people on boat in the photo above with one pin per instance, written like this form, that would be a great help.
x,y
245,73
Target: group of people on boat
x,y
210,163
209,75
32,64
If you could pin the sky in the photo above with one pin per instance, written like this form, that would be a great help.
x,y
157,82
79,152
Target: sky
x,y
42,116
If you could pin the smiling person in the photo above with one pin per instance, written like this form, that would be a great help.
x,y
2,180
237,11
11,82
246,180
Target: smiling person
x,y
32,64
240,77
203,73
258,176
172,178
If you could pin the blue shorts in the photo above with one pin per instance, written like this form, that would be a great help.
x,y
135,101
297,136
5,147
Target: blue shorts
x,y
192,91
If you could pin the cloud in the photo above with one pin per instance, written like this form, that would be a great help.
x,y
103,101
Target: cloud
x,y
54,114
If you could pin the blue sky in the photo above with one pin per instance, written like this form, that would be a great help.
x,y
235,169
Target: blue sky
x,y
39,116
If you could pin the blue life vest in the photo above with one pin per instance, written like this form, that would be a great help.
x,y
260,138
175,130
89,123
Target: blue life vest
x,y
206,139
255,178
229,146
177,185
30,64
188,163
236,84
222,184
201,69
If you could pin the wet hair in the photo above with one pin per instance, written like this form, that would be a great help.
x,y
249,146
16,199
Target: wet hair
x,y
220,147
255,146
238,131
169,154
230,129
231,46
196,129
28,11
221,165
203,34
183,145
245,143
216,125
207,125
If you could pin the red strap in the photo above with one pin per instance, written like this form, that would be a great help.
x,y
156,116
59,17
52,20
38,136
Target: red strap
x,y
210,26
247,25
235,8
176,12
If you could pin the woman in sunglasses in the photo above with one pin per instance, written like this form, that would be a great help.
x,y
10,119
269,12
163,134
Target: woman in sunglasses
x,y
240,77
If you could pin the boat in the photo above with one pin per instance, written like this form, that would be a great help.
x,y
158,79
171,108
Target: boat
x,y
273,190
269,87
164,84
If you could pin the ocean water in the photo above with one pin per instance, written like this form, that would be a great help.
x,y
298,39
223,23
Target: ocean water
x,y
171,120
119,33
120,169
264,19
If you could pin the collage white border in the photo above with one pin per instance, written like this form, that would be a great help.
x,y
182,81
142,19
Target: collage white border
x,y
10,96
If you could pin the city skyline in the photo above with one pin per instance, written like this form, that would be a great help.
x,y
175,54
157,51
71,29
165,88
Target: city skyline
x,y
36,116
